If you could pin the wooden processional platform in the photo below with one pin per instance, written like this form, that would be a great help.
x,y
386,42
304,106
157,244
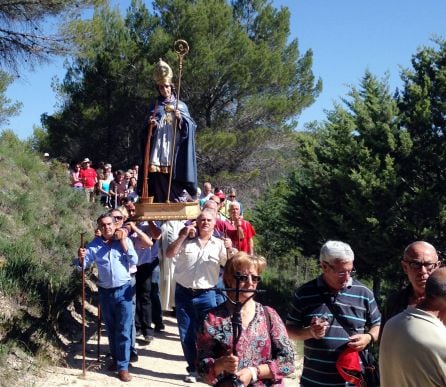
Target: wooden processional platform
x,y
166,211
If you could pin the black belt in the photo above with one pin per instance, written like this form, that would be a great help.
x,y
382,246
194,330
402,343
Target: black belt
x,y
195,292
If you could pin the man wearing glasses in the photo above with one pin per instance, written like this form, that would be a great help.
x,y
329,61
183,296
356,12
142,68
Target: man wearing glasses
x,y
420,260
331,313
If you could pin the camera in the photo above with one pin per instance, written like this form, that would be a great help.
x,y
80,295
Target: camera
x,y
229,381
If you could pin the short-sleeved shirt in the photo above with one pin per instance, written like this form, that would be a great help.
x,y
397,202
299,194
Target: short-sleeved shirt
x,y
198,267
145,254
357,308
413,350
88,177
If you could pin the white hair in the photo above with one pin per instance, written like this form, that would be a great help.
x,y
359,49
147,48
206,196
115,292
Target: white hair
x,y
333,251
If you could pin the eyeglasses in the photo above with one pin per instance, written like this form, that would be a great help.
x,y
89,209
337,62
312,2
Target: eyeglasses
x,y
232,196
245,277
417,265
351,272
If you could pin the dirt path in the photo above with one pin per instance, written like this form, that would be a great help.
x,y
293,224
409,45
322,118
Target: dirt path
x,y
160,363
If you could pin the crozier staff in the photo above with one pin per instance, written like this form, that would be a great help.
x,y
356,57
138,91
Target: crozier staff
x,y
172,142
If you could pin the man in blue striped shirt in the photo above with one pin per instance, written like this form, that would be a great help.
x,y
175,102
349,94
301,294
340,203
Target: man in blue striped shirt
x,y
330,313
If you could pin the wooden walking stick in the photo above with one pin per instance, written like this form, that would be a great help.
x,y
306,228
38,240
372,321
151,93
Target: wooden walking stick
x,y
99,333
83,310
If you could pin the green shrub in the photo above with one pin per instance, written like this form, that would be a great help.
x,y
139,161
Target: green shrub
x,y
41,219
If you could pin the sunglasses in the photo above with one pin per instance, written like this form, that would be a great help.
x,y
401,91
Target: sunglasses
x,y
118,217
245,277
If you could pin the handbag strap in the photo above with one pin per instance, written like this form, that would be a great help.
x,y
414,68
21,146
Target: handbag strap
x,y
268,324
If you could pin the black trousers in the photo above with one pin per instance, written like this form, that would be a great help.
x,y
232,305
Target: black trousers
x,y
143,314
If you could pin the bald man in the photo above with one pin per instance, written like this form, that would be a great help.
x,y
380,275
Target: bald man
x,y
413,345
419,261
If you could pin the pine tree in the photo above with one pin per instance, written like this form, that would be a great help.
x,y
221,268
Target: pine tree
x,y
423,107
23,38
242,83
348,185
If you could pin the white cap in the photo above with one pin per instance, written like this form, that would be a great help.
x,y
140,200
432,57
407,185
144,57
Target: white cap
x,y
46,154
86,160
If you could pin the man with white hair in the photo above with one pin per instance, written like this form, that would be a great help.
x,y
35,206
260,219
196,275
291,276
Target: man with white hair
x,y
240,230
331,313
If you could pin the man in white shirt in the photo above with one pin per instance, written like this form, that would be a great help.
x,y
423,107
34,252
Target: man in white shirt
x,y
413,344
197,267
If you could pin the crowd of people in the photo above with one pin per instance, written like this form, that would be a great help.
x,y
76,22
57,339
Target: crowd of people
x,y
337,318
226,335
104,185
206,270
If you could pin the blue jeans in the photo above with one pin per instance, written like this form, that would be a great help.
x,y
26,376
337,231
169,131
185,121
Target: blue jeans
x,y
191,308
221,294
133,330
116,306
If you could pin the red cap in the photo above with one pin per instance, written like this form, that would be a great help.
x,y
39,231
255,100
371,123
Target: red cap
x,y
349,367
221,195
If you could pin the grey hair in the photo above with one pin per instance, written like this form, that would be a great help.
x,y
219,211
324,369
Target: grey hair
x,y
333,251
208,211
235,204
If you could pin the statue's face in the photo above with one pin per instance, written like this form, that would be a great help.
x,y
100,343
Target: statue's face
x,y
165,90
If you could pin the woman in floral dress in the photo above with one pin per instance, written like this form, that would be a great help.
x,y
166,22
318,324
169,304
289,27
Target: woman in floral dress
x,y
264,354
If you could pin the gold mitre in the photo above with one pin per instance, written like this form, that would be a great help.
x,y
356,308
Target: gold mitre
x,y
163,73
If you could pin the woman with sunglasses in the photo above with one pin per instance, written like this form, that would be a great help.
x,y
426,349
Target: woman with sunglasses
x,y
264,352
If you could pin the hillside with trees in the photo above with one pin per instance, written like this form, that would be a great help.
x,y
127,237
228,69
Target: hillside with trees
x,y
372,175
41,219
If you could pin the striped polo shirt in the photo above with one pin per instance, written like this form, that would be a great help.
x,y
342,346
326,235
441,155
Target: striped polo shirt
x,y
355,305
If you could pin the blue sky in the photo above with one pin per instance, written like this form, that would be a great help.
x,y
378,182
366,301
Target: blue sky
x,y
346,36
